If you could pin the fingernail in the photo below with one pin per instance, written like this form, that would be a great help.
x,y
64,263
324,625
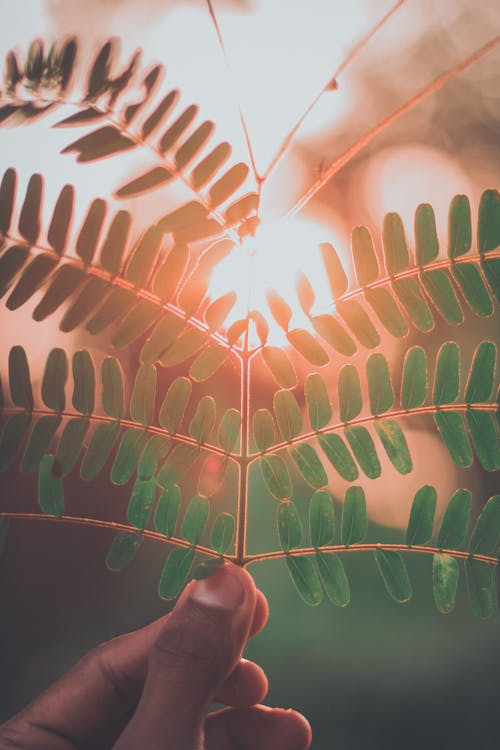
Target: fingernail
x,y
207,568
223,589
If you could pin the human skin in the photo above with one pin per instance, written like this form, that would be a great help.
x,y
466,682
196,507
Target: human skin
x,y
151,689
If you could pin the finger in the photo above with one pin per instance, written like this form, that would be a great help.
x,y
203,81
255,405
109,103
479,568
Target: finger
x,y
245,686
257,727
198,647
99,694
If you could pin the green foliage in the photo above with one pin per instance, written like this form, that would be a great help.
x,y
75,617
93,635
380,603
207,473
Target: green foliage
x,y
147,412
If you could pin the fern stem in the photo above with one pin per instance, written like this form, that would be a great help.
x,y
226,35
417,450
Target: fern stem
x,y
358,47
371,134
114,526
243,121
126,423
445,264
430,409
340,548
243,460
119,281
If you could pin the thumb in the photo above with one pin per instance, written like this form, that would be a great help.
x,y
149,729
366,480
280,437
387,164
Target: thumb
x,y
199,645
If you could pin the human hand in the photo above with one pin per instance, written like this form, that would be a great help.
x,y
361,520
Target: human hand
x,y
151,689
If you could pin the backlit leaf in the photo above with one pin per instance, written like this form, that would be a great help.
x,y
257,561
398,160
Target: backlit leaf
x,y
318,403
288,414
396,253
174,404
101,444
333,577
395,445
50,488
459,227
359,322
276,476
305,293
12,437
175,572
229,430
263,429
337,453
83,382
354,518
308,463
379,384
334,334
280,310
484,437
112,387
445,574
414,380
394,574
305,578
141,502
485,538
473,288
208,362
411,297
446,379
289,526
203,421
280,366
195,519
54,380
426,240
321,519
142,401
39,442
350,400
129,451
488,226
451,425
455,520
481,588
306,345
421,522
19,379
387,311
70,444
135,323
364,451
123,550
222,532
163,335
481,374
156,448
363,252
177,463
168,510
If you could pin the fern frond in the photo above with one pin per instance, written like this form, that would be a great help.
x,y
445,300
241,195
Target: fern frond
x,y
178,151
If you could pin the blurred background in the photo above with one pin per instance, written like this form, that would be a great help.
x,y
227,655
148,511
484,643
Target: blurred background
x,y
376,674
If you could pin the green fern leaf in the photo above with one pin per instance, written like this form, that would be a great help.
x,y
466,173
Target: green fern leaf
x,y
338,454
305,578
484,438
203,421
318,404
350,399
222,532
481,375
50,488
177,463
288,415
175,572
451,425
362,446
354,518
485,538
20,379
276,477
129,451
414,379
112,387
99,449
459,227
379,384
141,502
195,519
309,465
168,510
174,404
333,577
321,519
455,521
446,379
54,380
480,578
421,522
445,575
395,445
142,401
263,429
43,431
83,382
12,437
229,430
394,574
70,444
289,526
123,550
